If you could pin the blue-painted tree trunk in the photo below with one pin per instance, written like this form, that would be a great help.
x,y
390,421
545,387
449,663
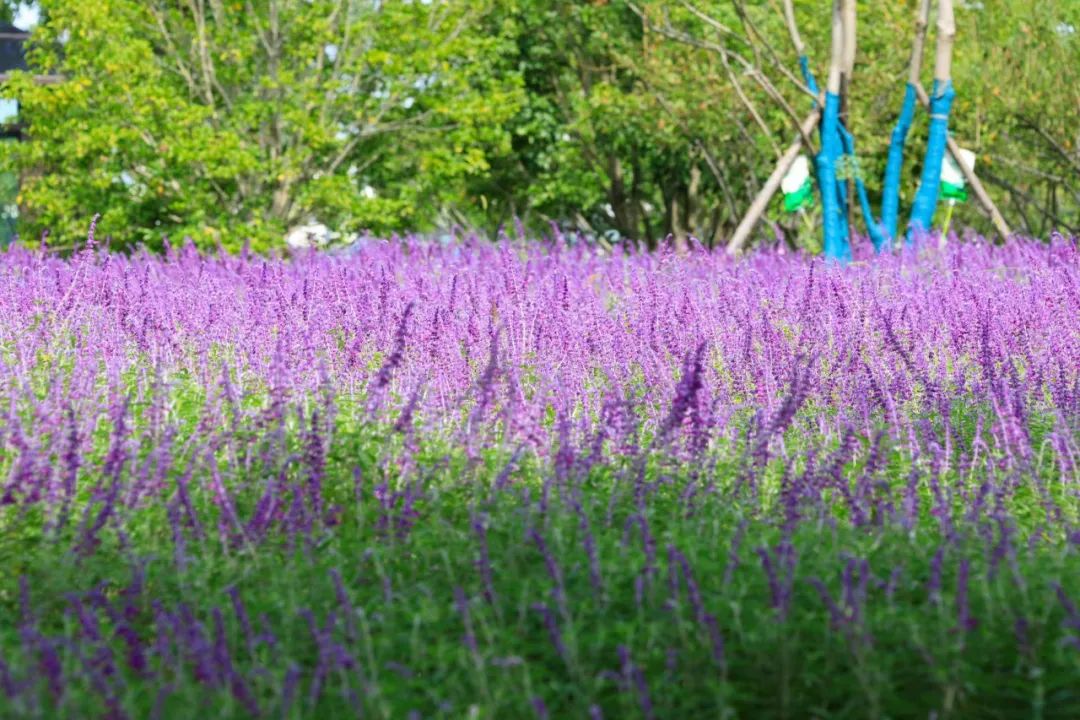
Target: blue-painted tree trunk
x,y
922,209
808,75
890,201
837,247
872,227
838,198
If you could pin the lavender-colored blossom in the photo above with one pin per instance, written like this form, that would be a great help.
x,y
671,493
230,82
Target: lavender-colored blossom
x,y
558,590
483,561
551,624
634,675
965,621
929,397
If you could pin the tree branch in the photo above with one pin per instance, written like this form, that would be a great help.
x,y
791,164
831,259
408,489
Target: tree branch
x,y
1028,122
751,28
670,32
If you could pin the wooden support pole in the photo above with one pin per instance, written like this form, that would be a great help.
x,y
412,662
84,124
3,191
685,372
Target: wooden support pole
x,y
761,201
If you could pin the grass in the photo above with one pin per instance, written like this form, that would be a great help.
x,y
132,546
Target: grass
x,y
436,617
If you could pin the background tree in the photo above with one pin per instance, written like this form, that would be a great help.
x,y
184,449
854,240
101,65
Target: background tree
x,y
228,118
224,119
621,134
754,33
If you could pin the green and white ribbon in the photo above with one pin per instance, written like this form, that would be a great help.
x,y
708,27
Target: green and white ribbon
x,y
797,187
953,185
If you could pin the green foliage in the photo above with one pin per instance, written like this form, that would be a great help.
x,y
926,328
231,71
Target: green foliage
x,y
614,135
232,120
896,651
1020,81
227,120
8,8
624,129
1016,69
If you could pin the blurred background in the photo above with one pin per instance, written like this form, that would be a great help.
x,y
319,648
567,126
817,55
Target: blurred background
x,y
258,121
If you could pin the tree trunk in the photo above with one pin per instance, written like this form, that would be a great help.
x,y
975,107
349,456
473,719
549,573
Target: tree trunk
x,y
926,198
836,243
625,221
890,200
848,18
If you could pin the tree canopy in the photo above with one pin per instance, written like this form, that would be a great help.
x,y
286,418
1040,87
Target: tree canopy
x,y
229,120
224,119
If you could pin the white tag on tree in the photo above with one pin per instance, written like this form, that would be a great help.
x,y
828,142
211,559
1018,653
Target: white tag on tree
x,y
797,175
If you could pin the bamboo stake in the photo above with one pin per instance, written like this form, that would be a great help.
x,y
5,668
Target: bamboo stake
x,y
972,179
761,201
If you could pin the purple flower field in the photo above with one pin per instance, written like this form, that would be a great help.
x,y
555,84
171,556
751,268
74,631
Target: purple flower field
x,y
514,480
